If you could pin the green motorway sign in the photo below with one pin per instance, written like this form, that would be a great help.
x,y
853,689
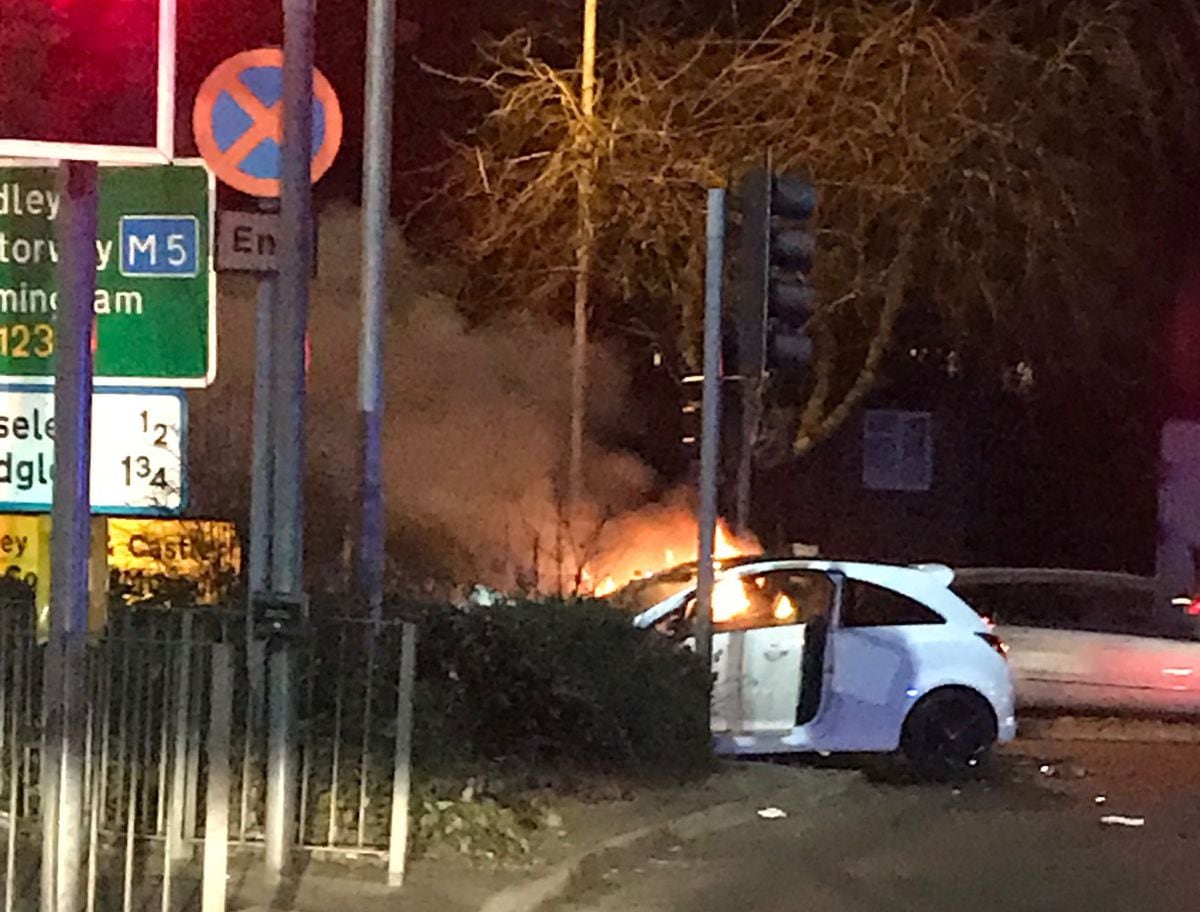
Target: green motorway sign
x,y
155,300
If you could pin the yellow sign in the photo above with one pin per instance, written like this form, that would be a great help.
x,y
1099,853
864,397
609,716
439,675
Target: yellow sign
x,y
25,558
145,554
25,555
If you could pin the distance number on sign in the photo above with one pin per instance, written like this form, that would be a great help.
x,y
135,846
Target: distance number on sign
x,y
24,340
140,468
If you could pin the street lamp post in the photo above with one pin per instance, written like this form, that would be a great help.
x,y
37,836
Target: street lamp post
x,y
584,242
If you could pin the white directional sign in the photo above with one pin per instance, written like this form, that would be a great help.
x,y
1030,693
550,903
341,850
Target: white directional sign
x,y
138,441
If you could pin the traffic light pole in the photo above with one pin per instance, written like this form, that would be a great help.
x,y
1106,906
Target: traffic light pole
x,y
377,167
64,713
711,414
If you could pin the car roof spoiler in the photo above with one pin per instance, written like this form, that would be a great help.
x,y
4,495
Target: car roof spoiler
x,y
937,573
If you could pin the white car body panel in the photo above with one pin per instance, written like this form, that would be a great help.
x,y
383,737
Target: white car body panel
x,y
872,676
758,678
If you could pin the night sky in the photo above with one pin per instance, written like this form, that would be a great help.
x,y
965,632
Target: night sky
x,y
1078,463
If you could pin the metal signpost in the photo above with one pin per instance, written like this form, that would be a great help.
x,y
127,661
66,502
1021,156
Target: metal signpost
x,y
269,124
377,166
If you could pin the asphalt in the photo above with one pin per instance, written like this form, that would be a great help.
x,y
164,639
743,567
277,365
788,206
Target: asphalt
x,y
1032,837
841,835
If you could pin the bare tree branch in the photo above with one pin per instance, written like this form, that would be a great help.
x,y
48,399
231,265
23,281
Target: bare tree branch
x,y
994,160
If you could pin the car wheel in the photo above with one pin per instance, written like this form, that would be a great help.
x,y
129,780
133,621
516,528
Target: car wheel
x,y
949,734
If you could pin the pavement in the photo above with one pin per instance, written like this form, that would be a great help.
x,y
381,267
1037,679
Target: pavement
x,y
561,859
839,834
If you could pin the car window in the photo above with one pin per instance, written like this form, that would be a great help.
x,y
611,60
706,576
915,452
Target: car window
x,y
868,605
1068,606
773,599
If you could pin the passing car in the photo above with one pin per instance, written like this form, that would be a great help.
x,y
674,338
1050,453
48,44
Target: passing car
x,y
831,656
1089,642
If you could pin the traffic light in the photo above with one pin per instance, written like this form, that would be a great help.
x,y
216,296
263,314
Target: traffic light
x,y
774,298
790,296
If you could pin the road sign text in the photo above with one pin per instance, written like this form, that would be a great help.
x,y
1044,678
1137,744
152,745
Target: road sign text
x,y
137,461
155,292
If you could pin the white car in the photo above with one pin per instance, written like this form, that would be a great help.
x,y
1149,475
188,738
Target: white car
x,y
818,655
1090,642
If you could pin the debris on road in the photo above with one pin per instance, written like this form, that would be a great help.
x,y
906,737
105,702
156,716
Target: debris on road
x,y
772,813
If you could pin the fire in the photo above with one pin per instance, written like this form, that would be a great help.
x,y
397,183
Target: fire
x,y
724,545
606,586
648,541
785,609
729,599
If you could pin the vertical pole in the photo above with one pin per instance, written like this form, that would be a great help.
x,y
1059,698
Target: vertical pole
x,y
711,427
139,758
49,766
295,207
339,689
280,763
177,847
62,776
402,771
195,730
377,167
216,796
14,770
261,495
584,243
262,463
256,708
287,496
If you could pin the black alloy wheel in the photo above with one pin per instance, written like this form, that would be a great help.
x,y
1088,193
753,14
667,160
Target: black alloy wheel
x,y
949,734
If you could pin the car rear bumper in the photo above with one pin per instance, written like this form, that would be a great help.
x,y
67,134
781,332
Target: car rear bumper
x,y
1006,728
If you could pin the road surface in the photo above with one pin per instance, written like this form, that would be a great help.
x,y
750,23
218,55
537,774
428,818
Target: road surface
x,y
1030,838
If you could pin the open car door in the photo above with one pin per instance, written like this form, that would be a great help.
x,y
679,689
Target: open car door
x,y
769,638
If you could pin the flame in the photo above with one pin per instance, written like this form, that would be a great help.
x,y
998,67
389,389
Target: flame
x,y
729,599
724,546
641,544
785,609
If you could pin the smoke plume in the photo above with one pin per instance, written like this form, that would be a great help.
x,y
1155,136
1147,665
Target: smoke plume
x,y
475,429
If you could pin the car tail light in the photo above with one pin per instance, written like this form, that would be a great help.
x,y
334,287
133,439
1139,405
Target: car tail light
x,y
1190,606
996,643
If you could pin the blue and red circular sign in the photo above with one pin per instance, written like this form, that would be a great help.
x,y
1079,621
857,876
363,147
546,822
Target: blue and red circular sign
x,y
238,122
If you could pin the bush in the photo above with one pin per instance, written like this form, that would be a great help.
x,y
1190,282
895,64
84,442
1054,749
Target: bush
x,y
567,683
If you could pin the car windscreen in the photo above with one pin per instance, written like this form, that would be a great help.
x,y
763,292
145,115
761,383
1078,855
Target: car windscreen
x,y
641,594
